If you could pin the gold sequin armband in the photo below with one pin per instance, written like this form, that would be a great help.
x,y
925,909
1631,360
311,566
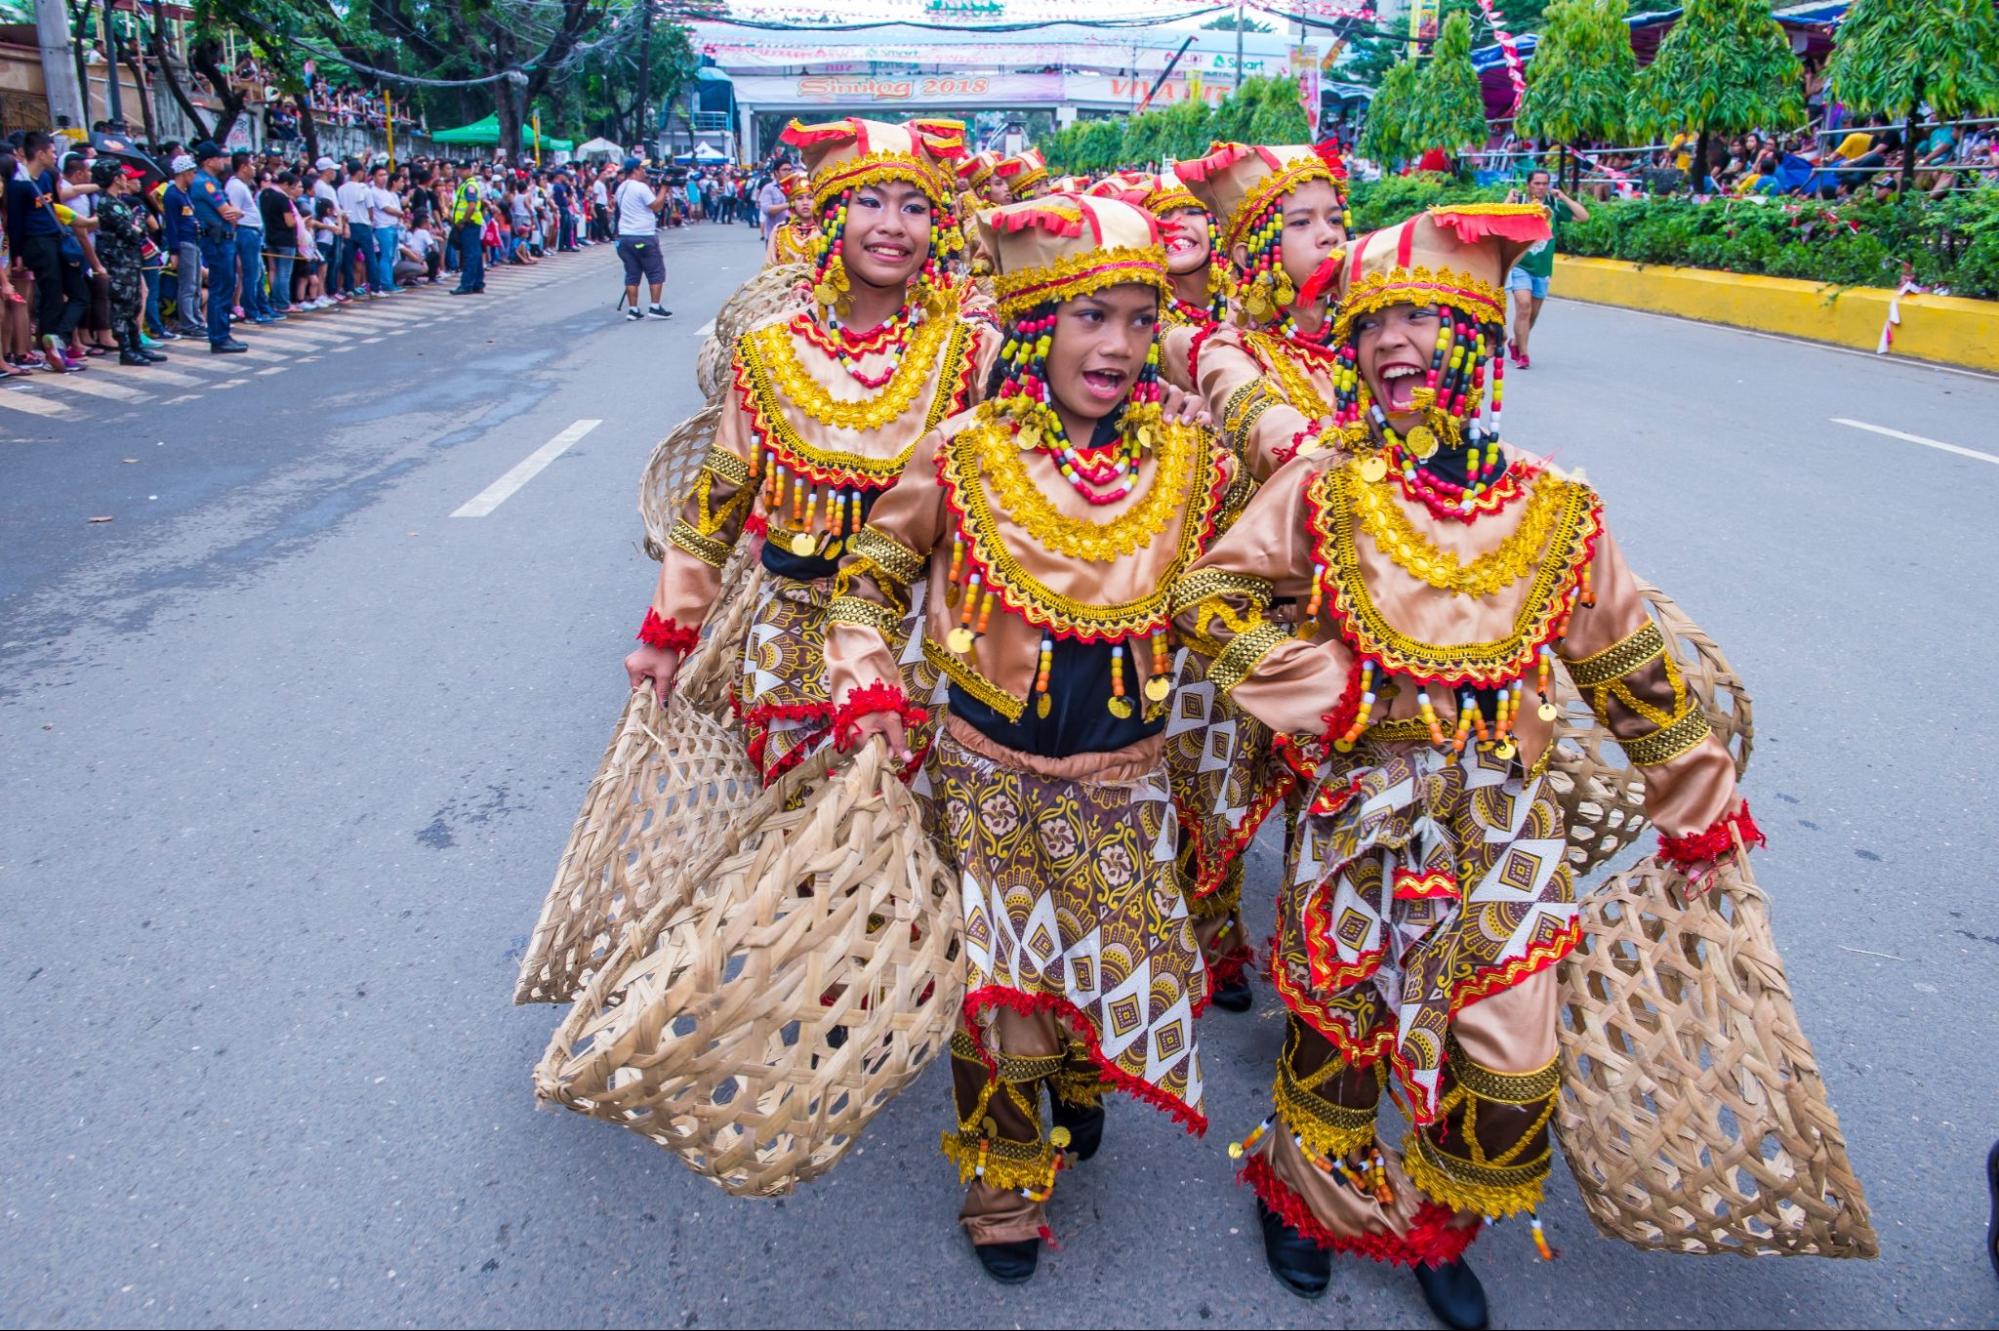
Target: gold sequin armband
x,y
707,549
726,466
866,614
1634,652
1241,656
1669,741
892,557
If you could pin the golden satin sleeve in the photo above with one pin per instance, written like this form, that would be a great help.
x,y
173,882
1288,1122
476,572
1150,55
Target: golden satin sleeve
x,y
1222,604
1256,422
711,521
871,591
1621,663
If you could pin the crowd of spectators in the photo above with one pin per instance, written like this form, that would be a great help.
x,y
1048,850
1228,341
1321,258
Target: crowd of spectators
x,y
89,236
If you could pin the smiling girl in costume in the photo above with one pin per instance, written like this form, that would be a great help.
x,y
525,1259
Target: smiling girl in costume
x,y
827,406
1445,578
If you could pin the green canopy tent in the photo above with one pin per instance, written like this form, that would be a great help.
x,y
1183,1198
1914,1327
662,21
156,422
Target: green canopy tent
x,y
486,134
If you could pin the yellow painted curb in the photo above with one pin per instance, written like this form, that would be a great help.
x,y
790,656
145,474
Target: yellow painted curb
x,y
1950,329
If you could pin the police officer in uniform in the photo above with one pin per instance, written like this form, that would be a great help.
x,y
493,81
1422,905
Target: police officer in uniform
x,y
215,223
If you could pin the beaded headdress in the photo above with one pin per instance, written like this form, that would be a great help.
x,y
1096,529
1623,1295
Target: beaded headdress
x,y
976,170
1168,194
1023,173
1454,260
1055,249
1244,189
1165,193
844,155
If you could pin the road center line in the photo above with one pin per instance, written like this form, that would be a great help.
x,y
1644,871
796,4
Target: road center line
x,y
496,494
1917,439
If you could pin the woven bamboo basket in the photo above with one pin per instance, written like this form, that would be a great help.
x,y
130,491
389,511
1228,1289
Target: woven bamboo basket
x,y
772,292
670,471
755,1028
711,364
1693,1115
1602,796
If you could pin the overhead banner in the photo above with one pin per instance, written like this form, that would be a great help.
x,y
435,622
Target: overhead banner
x,y
969,91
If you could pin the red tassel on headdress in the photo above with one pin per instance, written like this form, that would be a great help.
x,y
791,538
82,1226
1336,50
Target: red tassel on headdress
x,y
1220,157
1524,222
798,134
945,139
1329,153
1047,219
1322,278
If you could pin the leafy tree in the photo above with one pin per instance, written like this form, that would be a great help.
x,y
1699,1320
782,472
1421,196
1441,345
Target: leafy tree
x,y
1893,55
1581,74
1188,131
1725,68
1448,110
1279,116
1371,53
1384,138
1227,23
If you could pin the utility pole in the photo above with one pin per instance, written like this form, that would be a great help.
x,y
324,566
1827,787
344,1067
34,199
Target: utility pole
x,y
112,80
645,73
58,74
1238,46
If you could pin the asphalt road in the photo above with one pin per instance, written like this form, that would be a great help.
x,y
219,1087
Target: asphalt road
x,y
287,754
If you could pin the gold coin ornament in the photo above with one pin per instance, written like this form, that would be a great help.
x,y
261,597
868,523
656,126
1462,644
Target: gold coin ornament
x,y
1504,749
1059,1138
960,640
1235,1150
1042,706
1422,443
1373,468
1121,708
1158,687
803,545
1549,711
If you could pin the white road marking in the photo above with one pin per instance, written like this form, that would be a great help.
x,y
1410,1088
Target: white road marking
x,y
705,329
1916,439
524,471
97,387
22,399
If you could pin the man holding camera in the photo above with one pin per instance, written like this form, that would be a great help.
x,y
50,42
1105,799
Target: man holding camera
x,y
638,207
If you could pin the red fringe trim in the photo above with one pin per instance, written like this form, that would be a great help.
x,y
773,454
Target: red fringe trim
x,y
1329,153
801,135
1047,219
757,524
867,701
999,995
667,635
1341,718
1226,968
1194,346
1528,225
1713,841
944,139
1432,1239
1221,157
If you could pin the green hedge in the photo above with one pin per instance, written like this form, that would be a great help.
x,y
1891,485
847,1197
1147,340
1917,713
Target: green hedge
x,y
1951,243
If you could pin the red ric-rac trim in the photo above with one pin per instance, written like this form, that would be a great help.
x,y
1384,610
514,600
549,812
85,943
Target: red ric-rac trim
x,y
1432,1239
1713,841
981,1001
667,635
1410,885
868,700
1214,857
757,727
1194,345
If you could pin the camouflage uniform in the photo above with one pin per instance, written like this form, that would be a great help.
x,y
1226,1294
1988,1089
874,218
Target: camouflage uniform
x,y
121,240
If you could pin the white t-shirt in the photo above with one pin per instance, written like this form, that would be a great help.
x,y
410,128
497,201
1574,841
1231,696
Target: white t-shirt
x,y
356,198
635,214
238,192
380,201
322,190
420,243
601,194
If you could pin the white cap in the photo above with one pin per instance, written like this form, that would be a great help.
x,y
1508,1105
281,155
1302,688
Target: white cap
x,y
184,163
323,164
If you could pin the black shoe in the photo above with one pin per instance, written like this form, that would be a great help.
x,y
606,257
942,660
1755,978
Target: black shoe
x,y
231,345
1235,995
1085,1125
154,356
1009,1263
1454,1294
134,358
1992,1225
1299,1264
464,291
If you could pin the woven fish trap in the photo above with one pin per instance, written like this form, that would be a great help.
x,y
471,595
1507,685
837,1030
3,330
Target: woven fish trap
x,y
669,472
671,781
1601,794
711,367
773,292
754,1029
1692,1114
